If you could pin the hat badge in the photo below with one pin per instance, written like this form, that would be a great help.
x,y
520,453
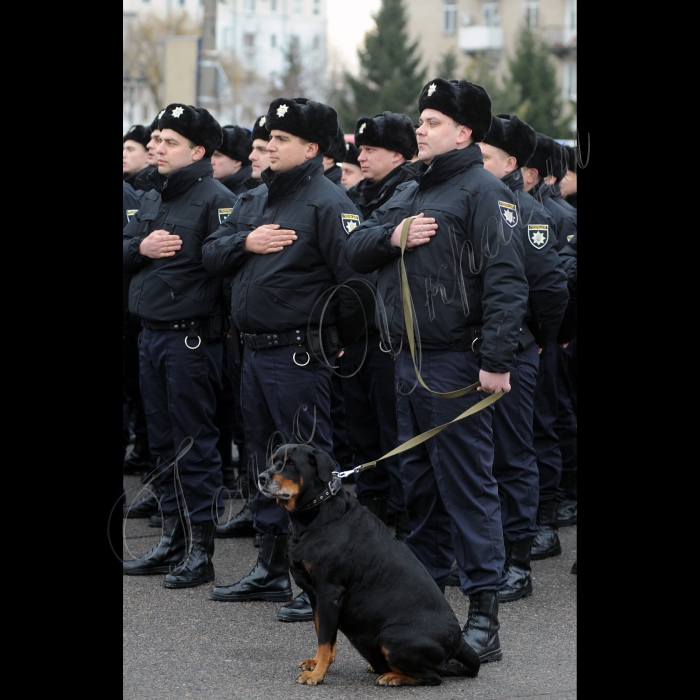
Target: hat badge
x,y
177,111
362,128
347,146
431,89
132,128
162,112
282,110
262,121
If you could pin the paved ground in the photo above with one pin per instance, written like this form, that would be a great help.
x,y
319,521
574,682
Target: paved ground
x,y
179,643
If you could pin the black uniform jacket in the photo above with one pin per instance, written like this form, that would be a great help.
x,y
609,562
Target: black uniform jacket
x,y
190,203
237,182
545,274
334,173
129,208
470,274
285,290
369,196
565,220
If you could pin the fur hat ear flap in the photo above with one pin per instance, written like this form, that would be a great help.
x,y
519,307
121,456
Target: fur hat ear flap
x,y
309,120
259,130
389,130
512,135
139,134
467,103
337,147
195,124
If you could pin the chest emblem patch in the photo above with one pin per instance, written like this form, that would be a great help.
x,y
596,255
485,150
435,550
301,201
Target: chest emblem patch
x,y
350,221
509,212
223,214
538,235
130,213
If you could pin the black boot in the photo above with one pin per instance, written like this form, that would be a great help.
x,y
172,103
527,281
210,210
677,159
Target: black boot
x,y
144,508
546,543
156,520
567,508
378,505
269,580
139,460
481,630
166,555
299,610
198,568
403,527
517,566
574,568
241,525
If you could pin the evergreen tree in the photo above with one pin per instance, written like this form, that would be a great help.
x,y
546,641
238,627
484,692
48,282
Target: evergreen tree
x,y
447,66
532,87
389,78
292,82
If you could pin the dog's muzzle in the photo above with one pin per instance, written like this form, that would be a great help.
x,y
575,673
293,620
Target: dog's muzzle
x,y
269,486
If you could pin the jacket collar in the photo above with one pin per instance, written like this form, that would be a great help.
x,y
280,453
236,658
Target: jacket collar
x,y
233,181
291,180
514,180
181,180
446,165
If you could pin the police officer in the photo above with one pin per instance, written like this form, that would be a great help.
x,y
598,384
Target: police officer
x,y
333,157
386,142
182,314
284,246
469,291
134,153
351,172
506,148
231,160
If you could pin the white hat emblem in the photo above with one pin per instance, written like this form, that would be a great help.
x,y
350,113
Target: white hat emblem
x,y
362,128
162,112
282,110
262,121
432,89
177,111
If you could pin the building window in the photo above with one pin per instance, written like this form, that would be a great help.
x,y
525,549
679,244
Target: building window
x,y
316,42
296,7
449,16
273,5
317,7
249,40
532,11
273,41
491,16
571,14
249,5
570,81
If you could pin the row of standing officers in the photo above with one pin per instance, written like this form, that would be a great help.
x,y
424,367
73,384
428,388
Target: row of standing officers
x,y
267,295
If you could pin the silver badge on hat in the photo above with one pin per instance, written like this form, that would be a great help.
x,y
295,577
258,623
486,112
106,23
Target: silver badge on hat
x,y
431,89
162,112
262,121
177,111
362,128
282,110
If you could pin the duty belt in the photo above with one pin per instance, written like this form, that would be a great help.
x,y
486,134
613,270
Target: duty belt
x,y
263,341
186,324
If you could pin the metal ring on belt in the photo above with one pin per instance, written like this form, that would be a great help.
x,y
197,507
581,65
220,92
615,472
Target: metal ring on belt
x,y
308,359
190,347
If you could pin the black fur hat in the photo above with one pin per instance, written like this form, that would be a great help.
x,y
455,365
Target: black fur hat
x,y
259,130
389,130
154,123
337,147
237,143
515,137
195,124
351,153
573,162
313,121
467,103
139,134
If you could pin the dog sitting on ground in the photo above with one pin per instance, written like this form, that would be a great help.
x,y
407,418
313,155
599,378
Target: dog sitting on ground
x,y
361,580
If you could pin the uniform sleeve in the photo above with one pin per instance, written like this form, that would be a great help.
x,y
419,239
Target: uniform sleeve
x,y
223,251
131,204
369,247
505,291
133,261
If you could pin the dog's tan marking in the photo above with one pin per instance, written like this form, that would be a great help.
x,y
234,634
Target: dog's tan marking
x,y
397,678
325,655
307,566
288,486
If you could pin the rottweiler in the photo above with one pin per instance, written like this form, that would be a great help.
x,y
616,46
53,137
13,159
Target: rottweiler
x,y
361,580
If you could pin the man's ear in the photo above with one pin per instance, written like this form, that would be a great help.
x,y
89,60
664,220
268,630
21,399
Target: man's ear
x,y
323,463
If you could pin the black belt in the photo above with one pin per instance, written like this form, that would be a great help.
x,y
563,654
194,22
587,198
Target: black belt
x,y
186,324
262,341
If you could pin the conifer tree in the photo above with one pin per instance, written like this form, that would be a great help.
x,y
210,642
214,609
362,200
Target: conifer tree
x,y
389,78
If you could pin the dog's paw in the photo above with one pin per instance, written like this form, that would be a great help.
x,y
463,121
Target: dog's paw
x,y
370,669
309,678
308,664
396,679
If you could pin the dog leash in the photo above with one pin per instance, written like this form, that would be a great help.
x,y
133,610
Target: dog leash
x,y
408,317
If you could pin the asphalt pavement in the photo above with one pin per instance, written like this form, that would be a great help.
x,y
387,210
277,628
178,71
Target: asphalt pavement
x,y
180,644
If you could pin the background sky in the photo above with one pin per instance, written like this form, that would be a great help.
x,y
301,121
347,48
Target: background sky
x,y
348,20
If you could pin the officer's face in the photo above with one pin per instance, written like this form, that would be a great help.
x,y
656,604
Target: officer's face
x,y
133,157
152,158
351,175
174,152
569,183
438,134
223,165
259,158
287,151
496,160
377,162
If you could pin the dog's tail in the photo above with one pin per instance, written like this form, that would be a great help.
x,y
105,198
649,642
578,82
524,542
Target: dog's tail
x,y
465,662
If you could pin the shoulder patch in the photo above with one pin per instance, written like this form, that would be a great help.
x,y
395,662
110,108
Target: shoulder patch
x,y
570,238
538,235
509,212
130,213
350,221
223,214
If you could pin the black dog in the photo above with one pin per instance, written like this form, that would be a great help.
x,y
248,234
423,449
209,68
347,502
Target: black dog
x,y
362,581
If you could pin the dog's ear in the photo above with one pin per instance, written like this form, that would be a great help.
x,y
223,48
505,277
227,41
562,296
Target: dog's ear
x,y
324,464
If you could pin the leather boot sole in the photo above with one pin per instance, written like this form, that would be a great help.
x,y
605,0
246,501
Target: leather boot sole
x,y
295,616
554,552
184,583
282,596
495,655
150,571
510,596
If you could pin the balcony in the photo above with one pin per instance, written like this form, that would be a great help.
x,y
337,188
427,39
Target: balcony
x,y
561,40
480,38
